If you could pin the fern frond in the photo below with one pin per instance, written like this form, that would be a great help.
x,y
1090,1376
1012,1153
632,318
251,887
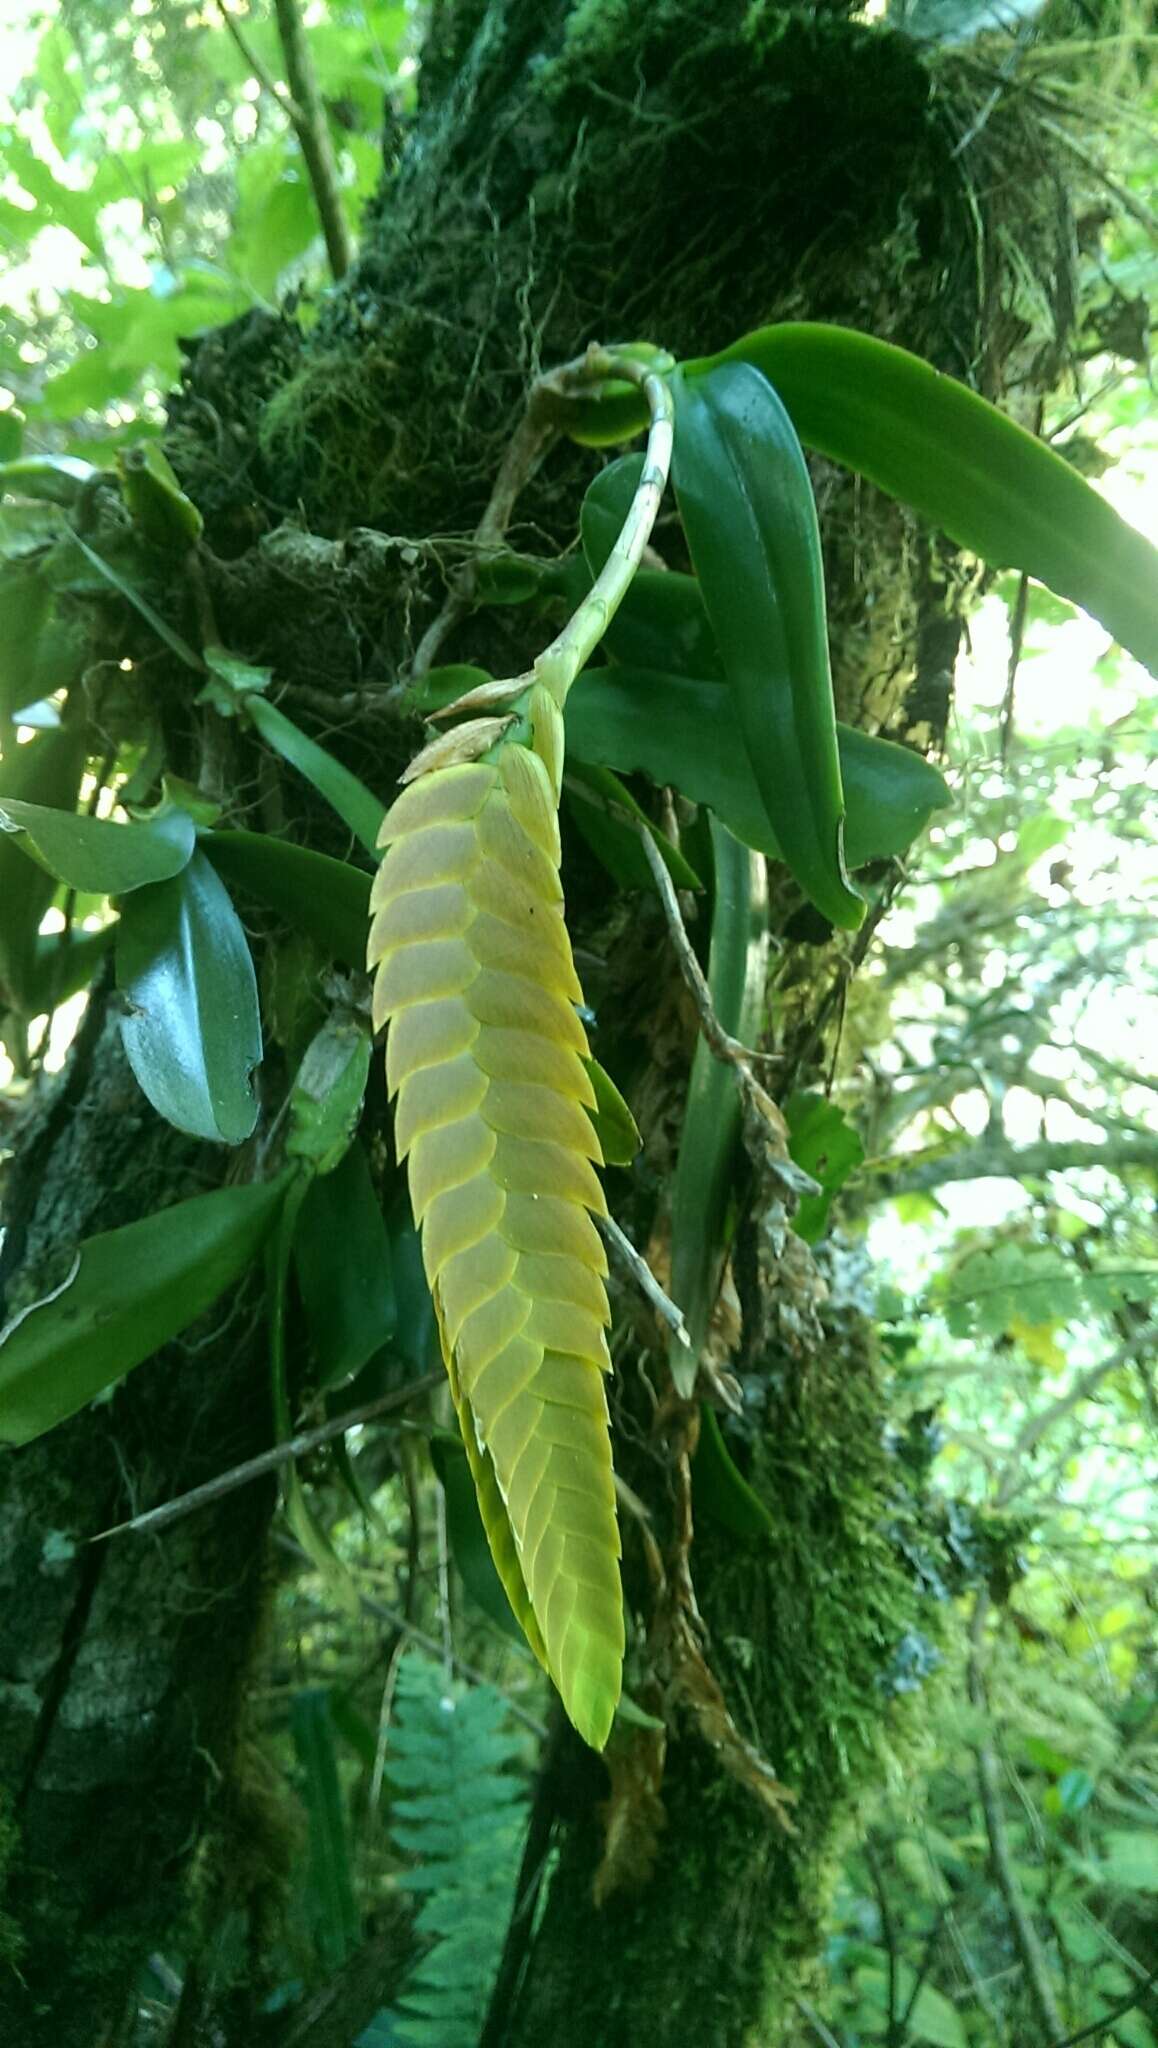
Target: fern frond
x,y
458,1808
485,1053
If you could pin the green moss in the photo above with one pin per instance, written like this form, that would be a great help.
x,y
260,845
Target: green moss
x,y
11,1939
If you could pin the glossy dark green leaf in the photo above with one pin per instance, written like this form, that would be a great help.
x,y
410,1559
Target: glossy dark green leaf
x,y
97,856
826,1146
603,808
615,1127
331,1906
324,898
614,410
342,1258
934,444
709,1141
355,805
44,770
675,729
125,1293
662,622
467,1537
326,1098
747,507
719,1488
191,1027
24,603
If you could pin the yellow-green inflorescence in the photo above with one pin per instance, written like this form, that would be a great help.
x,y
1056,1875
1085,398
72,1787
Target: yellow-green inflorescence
x,y
476,983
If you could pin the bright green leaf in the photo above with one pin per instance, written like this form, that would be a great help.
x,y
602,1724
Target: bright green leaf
x,y
127,1292
97,856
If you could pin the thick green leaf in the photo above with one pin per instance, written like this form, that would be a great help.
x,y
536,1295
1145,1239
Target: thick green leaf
x,y
127,1292
326,1097
192,1031
44,770
662,622
934,444
59,479
675,729
820,1140
96,856
342,1258
746,502
324,898
355,805
705,1166
720,1488
330,1902
602,808
615,1127
468,1539
160,510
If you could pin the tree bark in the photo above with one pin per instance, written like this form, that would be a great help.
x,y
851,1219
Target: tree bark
x,y
576,171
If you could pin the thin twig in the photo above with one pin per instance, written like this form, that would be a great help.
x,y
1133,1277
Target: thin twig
x,y
534,435
823,2034
313,133
1086,1384
265,78
303,108
1024,1932
644,1278
269,1461
1107,2019
559,663
725,1047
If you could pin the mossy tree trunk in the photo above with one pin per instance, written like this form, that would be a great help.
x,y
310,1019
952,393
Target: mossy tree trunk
x,y
597,170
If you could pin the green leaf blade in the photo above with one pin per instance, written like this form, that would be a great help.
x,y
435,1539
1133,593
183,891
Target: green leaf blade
x,y
132,1290
930,442
98,857
192,1031
746,502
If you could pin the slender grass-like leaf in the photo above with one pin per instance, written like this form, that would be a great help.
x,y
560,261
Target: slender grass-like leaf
x,y
706,1163
355,805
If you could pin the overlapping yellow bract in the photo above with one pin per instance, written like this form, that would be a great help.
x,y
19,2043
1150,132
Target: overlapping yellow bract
x,y
485,1055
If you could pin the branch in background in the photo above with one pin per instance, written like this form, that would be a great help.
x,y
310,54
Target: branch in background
x,y
303,109
1083,1387
1015,1162
268,1461
1029,1948
344,2007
